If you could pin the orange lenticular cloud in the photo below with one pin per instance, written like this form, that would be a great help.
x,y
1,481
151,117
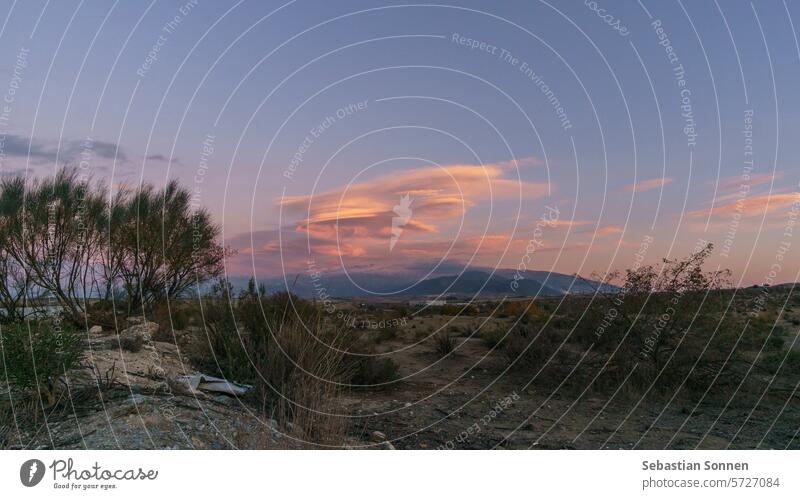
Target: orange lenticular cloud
x,y
439,195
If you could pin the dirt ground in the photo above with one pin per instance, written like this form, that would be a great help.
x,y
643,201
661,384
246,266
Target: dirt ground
x,y
468,399
471,400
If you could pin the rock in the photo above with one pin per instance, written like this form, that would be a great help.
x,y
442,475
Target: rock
x,y
378,436
95,330
198,444
134,338
387,446
146,329
135,320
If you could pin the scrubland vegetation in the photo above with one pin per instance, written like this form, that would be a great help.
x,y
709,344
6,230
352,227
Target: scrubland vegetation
x,y
145,265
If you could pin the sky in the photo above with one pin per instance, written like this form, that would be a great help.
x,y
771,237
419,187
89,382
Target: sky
x,y
360,136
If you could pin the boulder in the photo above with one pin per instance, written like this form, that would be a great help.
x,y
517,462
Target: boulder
x,y
146,329
95,330
134,338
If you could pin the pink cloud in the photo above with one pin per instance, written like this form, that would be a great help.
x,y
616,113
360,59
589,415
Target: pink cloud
x,y
735,183
647,185
751,206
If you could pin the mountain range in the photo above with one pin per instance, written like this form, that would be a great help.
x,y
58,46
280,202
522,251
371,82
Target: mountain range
x,y
473,282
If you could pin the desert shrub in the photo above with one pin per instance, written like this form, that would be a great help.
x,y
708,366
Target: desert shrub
x,y
221,348
281,345
492,337
383,334
775,342
176,316
444,343
449,310
528,348
661,320
35,354
132,343
563,322
785,362
374,371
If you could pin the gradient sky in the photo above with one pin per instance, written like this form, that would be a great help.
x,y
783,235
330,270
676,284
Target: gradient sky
x,y
403,105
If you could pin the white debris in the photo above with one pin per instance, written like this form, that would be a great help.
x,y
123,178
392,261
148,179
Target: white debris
x,y
206,383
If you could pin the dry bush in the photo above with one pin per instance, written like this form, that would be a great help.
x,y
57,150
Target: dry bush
x,y
297,381
444,343
492,337
374,370
281,345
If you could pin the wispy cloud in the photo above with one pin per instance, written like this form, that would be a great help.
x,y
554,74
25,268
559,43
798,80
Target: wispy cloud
x,y
39,151
162,159
736,182
520,163
647,185
751,206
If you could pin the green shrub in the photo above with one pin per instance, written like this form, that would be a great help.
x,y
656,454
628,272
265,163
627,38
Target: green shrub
x,y
36,354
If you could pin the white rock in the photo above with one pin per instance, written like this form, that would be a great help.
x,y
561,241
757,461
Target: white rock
x,y
145,329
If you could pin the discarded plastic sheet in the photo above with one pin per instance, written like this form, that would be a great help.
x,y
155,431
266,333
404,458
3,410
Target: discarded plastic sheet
x,y
207,383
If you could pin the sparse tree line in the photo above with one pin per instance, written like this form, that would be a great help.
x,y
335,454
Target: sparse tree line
x,y
67,242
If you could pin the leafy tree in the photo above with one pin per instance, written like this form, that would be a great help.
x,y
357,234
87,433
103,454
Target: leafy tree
x,y
51,229
160,246
61,237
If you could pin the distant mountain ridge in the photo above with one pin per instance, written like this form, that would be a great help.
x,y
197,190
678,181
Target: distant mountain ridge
x,y
475,282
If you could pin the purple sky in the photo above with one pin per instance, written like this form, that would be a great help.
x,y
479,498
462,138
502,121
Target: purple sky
x,y
372,135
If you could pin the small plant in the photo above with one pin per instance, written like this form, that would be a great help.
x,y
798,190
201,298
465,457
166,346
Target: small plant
x,y
492,338
133,343
775,341
788,362
445,344
36,354
385,334
375,371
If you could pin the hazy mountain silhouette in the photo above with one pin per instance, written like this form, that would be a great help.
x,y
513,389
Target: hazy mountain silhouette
x,y
471,282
